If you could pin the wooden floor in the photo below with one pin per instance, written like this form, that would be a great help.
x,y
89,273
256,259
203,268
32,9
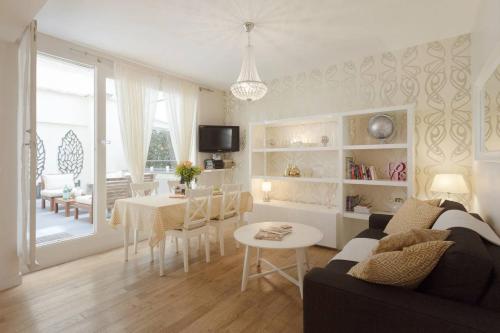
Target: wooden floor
x,y
103,294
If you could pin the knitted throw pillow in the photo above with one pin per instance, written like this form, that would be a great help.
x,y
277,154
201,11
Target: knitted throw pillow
x,y
406,268
414,214
397,242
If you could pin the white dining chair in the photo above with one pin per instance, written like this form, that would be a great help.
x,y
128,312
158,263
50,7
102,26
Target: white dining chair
x,y
142,190
229,213
196,220
173,184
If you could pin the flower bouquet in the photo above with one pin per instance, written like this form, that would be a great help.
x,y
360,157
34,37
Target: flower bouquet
x,y
187,171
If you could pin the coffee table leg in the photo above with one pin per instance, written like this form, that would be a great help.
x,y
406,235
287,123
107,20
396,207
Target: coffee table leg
x,y
125,241
246,268
258,257
151,254
300,269
306,256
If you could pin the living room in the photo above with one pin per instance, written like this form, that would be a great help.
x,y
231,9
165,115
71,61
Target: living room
x,y
189,166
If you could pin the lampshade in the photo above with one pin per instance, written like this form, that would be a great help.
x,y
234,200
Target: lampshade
x,y
449,183
266,187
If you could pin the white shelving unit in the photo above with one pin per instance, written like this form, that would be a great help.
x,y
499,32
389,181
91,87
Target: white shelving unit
x,y
328,180
376,146
376,182
358,216
272,143
293,149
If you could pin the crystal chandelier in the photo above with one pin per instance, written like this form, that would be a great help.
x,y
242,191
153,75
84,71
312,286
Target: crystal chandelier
x,y
249,86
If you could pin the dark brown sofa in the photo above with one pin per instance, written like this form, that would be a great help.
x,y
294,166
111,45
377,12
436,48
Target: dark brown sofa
x,y
462,294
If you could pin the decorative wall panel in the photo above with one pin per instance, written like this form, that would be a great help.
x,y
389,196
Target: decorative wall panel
x,y
435,76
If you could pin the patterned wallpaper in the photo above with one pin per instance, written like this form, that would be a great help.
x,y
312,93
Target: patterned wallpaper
x,y
435,76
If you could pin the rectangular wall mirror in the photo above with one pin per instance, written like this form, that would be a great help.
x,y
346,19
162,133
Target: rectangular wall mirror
x,y
487,112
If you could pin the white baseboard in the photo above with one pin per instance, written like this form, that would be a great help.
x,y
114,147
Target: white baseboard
x,y
10,282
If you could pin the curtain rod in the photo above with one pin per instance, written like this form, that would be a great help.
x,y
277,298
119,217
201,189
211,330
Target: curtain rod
x,y
100,59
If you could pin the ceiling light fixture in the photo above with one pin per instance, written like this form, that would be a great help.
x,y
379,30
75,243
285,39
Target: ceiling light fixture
x,y
249,86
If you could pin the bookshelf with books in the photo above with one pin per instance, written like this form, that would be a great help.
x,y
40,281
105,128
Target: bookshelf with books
x,y
376,171
343,170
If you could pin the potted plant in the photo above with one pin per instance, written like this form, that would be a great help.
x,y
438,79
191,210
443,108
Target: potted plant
x,y
187,171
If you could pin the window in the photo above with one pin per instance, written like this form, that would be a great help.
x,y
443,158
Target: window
x,y
161,152
161,156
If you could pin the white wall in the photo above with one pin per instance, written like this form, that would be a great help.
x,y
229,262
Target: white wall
x,y
9,264
435,76
211,111
57,113
486,39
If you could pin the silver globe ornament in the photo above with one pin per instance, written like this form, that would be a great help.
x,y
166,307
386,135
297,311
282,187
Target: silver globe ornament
x,y
381,126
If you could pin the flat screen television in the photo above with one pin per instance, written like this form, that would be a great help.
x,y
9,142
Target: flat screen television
x,y
218,139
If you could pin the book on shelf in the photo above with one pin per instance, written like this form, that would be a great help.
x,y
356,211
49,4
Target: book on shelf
x,y
363,209
351,201
359,171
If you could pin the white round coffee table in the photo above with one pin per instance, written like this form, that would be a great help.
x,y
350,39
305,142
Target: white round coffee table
x,y
300,239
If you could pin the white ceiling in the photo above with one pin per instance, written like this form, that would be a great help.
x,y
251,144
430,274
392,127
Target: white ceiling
x,y
203,39
15,15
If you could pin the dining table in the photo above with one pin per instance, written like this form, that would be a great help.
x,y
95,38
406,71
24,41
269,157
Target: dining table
x,y
160,213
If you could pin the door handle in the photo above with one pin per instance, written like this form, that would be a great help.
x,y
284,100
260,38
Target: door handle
x,y
106,142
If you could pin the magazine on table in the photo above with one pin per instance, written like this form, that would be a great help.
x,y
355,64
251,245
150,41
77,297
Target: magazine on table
x,y
275,233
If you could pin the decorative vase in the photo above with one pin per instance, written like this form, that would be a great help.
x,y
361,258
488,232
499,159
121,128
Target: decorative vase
x,y
186,182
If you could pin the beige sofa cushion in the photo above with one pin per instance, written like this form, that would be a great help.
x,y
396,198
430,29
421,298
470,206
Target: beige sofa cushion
x,y
397,242
84,199
55,182
414,214
52,193
406,268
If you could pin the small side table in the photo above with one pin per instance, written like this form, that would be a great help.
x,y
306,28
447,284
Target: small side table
x,y
66,203
302,237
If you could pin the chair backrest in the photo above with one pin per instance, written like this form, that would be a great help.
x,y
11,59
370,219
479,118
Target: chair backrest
x,y
149,177
57,181
230,203
173,184
198,207
117,188
142,190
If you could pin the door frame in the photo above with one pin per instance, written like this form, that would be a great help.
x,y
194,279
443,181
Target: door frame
x,y
104,237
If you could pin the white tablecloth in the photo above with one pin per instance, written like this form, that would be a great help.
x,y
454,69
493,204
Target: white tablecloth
x,y
161,213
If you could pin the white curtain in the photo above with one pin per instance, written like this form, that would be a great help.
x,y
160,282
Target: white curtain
x,y
182,112
27,147
137,94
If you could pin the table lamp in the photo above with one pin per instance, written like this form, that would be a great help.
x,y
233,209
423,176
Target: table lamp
x,y
266,188
449,183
